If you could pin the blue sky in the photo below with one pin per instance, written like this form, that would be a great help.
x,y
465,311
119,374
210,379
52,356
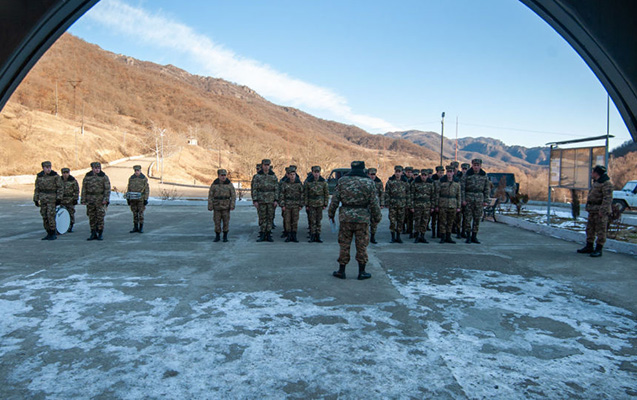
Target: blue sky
x,y
383,66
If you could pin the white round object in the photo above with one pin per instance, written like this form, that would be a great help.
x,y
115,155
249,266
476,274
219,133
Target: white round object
x,y
62,220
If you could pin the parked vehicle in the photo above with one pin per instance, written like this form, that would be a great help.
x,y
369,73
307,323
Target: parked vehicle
x,y
335,175
511,188
627,197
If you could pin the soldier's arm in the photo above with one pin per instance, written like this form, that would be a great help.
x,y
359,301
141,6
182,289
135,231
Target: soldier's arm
x,y
233,197
485,190
463,189
253,189
211,195
326,195
336,199
280,196
374,208
83,197
36,191
59,189
107,190
146,189
607,196
458,198
76,191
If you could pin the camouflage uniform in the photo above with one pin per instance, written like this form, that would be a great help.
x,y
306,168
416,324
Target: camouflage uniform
x,y
71,196
47,195
435,220
96,194
397,199
317,197
598,206
138,184
221,200
408,222
265,191
360,205
423,197
380,193
291,197
475,192
448,201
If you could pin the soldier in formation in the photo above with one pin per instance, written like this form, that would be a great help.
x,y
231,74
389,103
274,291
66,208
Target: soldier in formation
x,y
598,206
221,200
448,203
286,178
356,194
423,197
137,197
435,221
317,197
265,195
408,224
291,201
464,168
380,193
474,192
397,200
71,195
48,195
96,194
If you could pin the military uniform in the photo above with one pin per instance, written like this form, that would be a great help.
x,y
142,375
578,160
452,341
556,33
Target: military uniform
x,y
316,197
285,178
474,192
598,206
47,195
137,198
357,193
435,221
96,194
397,199
448,202
221,200
70,196
291,200
408,224
265,192
380,192
423,197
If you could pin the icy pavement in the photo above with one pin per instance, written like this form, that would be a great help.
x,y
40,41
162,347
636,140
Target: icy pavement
x,y
169,314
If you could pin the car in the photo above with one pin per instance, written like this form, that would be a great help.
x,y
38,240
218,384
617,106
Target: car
x,y
627,197
334,176
511,187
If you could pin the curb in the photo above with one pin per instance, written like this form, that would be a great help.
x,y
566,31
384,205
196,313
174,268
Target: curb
x,y
565,234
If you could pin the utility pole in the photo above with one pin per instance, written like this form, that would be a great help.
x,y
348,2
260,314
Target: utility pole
x,y
442,136
75,84
161,135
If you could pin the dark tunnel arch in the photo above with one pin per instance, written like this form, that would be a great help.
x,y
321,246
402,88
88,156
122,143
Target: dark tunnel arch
x,y
602,33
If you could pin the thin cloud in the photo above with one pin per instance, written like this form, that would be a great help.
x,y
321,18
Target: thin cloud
x,y
218,61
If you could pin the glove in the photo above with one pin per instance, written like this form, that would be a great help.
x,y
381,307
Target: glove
x,y
58,202
128,202
37,203
145,202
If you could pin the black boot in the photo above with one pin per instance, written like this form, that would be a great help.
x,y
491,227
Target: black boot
x,y
459,234
372,238
141,228
398,239
474,238
288,237
135,228
70,229
48,235
588,249
443,239
393,237
433,231
93,235
448,239
294,239
225,236
598,251
422,238
464,234
317,238
261,237
340,274
468,239
362,275
53,234
312,238
284,234
99,234
411,235
217,237
268,237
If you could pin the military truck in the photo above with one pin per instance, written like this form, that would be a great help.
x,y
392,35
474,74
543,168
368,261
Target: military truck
x,y
334,176
627,197
511,188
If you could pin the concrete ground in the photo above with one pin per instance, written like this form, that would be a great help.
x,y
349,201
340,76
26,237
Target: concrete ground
x,y
170,314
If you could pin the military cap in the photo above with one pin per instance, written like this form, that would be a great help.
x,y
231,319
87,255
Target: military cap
x,y
287,170
65,170
440,168
449,168
398,168
416,171
137,167
455,164
372,171
358,165
222,172
291,168
46,164
465,165
96,164
428,171
266,161
316,168
409,168
599,169
476,161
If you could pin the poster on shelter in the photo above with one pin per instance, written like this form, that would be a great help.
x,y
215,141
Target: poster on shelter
x,y
571,168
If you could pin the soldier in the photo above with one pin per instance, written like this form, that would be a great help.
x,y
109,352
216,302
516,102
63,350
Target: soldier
x,y
408,225
423,197
435,222
317,197
598,206
71,195
221,200
474,193
448,203
47,195
291,201
265,195
456,223
96,195
397,199
286,178
380,192
137,197
360,205
463,171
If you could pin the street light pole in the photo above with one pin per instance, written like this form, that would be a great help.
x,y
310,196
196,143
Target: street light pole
x,y
442,136
161,135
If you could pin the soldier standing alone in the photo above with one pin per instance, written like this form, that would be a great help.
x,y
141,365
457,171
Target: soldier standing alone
x,y
221,200
47,195
96,195
474,192
317,197
397,200
380,192
598,206
448,193
360,205
265,194
137,197
71,195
